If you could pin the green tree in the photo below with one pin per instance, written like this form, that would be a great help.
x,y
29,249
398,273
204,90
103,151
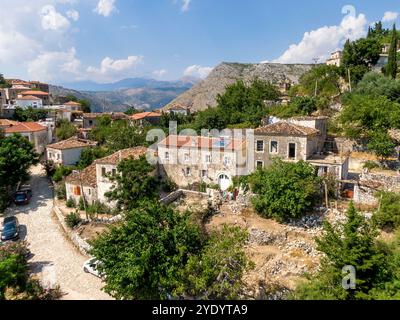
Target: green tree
x,y
388,214
382,144
376,84
352,243
3,82
392,66
86,105
133,183
217,272
65,130
29,114
285,190
17,155
89,155
143,257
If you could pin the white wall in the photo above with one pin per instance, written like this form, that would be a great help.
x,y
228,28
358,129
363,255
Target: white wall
x,y
89,193
67,157
36,104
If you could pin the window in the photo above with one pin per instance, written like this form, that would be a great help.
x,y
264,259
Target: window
x,y
50,155
114,172
166,156
77,191
187,157
188,171
58,156
203,173
208,158
90,122
260,165
274,146
89,192
292,151
103,171
227,161
260,146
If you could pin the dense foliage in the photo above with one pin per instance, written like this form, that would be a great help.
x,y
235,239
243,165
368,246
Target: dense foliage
x,y
65,130
134,183
89,155
29,114
388,214
158,253
3,82
352,243
285,190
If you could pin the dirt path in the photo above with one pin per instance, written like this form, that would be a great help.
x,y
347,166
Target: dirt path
x,y
55,260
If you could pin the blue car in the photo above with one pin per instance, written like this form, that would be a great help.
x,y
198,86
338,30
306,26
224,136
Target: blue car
x,y
10,230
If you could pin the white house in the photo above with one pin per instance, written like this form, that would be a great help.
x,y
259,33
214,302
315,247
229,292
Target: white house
x,y
82,184
68,152
29,101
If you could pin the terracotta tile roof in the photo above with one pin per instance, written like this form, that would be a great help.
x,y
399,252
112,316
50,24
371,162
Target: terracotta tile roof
x,y
204,143
73,103
72,143
21,127
34,93
87,177
286,129
7,123
123,154
144,115
28,98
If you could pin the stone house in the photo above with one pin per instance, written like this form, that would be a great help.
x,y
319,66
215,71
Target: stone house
x,y
44,96
82,184
36,133
193,159
108,166
298,139
90,119
29,101
68,152
335,59
149,117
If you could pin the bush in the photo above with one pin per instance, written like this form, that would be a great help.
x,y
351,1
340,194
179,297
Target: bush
x,y
61,172
82,204
370,165
73,219
70,203
50,168
167,185
388,215
285,190
61,191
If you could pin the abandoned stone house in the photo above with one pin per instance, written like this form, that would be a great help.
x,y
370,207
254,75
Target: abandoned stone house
x,y
93,182
193,159
296,139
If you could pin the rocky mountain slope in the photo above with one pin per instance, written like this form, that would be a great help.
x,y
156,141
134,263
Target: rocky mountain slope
x,y
147,95
204,94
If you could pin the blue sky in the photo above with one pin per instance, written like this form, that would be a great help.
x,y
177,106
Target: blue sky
x,y
63,41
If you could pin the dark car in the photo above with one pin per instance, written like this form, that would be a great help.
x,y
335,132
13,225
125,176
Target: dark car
x,y
23,196
10,230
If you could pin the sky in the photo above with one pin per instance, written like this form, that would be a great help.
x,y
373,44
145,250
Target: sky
x,y
65,41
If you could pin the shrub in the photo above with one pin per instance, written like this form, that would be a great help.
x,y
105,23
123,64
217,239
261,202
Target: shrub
x,y
73,219
370,165
61,191
82,204
61,172
70,203
388,214
167,185
285,190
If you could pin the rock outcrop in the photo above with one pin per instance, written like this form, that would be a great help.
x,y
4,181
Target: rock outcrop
x,y
204,94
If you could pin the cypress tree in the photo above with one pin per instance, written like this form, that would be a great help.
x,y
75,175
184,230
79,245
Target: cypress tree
x,y
391,69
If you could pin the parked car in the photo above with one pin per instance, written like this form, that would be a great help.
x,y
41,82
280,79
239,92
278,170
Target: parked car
x,y
10,230
91,266
23,195
7,220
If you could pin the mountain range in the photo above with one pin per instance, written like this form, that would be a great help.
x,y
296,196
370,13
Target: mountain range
x,y
141,93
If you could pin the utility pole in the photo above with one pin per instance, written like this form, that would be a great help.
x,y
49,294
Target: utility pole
x,y
348,71
316,81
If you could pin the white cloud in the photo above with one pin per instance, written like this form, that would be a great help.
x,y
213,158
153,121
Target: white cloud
x,y
185,5
111,69
73,14
106,7
159,73
53,20
390,16
197,71
321,42
56,66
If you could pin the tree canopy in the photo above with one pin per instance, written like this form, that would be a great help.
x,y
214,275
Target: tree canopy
x,y
285,190
65,130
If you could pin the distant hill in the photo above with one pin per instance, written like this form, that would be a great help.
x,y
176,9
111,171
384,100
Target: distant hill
x,y
142,93
204,94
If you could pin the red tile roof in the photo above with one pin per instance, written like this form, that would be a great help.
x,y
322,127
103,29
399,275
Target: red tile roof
x,y
286,129
116,157
21,127
204,143
73,103
87,177
144,115
34,93
72,143
28,98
